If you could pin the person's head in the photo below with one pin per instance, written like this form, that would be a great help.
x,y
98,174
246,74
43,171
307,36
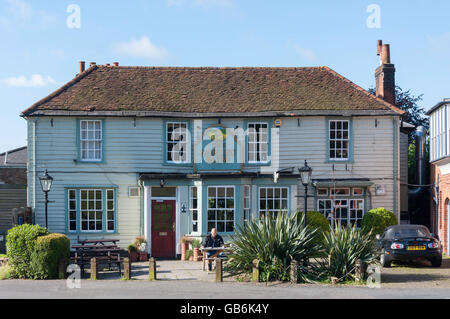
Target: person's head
x,y
213,232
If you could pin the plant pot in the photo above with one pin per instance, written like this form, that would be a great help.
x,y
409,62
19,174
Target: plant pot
x,y
196,254
184,247
143,256
133,255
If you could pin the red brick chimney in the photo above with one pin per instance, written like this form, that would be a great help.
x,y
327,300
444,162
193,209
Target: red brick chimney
x,y
82,66
385,74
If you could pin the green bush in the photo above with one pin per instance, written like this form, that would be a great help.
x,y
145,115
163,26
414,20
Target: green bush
x,y
20,242
132,248
317,220
189,254
376,220
275,243
344,246
47,253
5,272
196,243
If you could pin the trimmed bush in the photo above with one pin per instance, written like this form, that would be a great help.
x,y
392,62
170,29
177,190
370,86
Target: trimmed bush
x,y
48,251
5,272
377,220
20,242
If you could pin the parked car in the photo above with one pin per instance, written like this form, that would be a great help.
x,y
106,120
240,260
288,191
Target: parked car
x,y
407,243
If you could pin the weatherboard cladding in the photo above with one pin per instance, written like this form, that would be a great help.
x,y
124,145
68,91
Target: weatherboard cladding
x,y
209,90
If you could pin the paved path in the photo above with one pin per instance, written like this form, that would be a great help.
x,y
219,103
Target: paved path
x,y
137,289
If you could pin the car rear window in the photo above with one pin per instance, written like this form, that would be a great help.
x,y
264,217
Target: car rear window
x,y
408,232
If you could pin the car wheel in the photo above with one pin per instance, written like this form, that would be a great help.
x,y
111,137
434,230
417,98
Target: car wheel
x,y
436,262
384,260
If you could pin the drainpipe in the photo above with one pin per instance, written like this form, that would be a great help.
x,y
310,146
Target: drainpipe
x,y
420,142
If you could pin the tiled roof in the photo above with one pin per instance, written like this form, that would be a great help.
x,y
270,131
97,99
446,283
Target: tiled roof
x,y
17,156
209,90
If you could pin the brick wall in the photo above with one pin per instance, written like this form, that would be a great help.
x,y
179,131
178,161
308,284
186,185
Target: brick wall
x,y
444,198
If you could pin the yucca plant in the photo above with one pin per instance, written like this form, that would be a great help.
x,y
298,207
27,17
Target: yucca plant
x,y
344,246
275,242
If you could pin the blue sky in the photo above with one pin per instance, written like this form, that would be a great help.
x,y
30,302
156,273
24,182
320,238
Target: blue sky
x,y
40,52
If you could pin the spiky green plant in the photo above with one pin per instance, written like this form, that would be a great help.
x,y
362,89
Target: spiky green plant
x,y
275,243
344,246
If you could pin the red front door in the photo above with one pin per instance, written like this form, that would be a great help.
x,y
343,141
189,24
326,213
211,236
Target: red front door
x,y
163,228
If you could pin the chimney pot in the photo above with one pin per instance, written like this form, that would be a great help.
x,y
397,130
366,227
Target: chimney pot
x,y
116,63
107,64
385,74
92,64
82,66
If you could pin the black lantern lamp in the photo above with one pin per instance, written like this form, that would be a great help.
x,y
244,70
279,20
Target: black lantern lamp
x,y
46,184
305,175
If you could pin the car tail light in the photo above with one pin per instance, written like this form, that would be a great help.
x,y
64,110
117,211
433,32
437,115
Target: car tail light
x,y
433,245
397,246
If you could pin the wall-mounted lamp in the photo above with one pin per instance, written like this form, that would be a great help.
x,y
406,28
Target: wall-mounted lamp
x,y
162,182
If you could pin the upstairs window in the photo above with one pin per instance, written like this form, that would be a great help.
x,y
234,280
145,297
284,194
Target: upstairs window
x,y
177,146
258,143
91,140
339,139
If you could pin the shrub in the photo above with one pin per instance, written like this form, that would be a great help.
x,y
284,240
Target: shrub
x,y
317,220
47,253
275,243
5,272
20,242
376,220
344,246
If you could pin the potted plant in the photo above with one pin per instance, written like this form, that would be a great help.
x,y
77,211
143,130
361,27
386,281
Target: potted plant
x,y
141,245
132,252
189,255
196,249
184,247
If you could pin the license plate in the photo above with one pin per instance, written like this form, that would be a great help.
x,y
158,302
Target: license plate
x,y
416,247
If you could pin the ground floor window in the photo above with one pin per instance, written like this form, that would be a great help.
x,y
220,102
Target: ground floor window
x,y
221,208
96,211
194,209
247,205
272,200
339,207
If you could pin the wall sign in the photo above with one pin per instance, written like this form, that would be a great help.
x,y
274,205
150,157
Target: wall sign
x,y
277,122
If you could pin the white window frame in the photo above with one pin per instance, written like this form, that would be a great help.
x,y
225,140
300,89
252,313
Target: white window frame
x,y
193,209
254,138
333,191
89,210
87,141
246,204
226,209
184,143
74,210
273,211
336,140
109,210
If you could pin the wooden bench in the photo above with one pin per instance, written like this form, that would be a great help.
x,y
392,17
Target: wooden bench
x,y
104,253
224,250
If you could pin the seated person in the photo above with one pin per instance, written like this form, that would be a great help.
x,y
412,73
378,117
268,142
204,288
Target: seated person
x,y
213,240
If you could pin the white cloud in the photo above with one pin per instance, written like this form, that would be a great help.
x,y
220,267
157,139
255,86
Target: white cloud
x,y
35,80
16,12
306,54
141,48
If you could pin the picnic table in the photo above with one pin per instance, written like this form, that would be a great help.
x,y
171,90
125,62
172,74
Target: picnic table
x,y
104,250
205,258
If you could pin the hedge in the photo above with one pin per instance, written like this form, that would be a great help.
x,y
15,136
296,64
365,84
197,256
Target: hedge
x,y
377,220
48,251
20,242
